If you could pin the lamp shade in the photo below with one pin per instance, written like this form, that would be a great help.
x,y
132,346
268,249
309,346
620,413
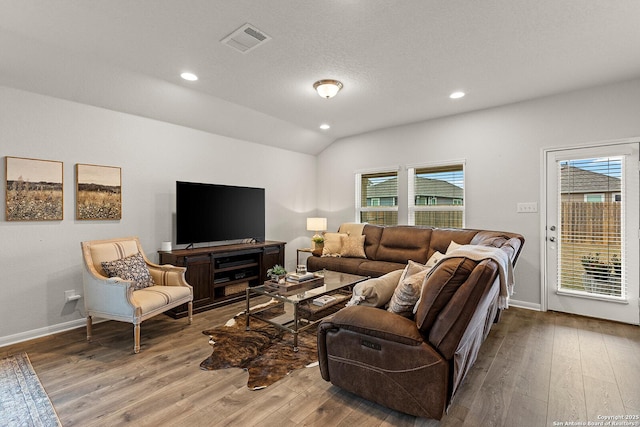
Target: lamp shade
x,y
316,224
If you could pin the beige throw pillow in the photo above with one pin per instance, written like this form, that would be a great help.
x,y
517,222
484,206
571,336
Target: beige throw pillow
x,y
353,247
408,290
333,244
375,292
434,259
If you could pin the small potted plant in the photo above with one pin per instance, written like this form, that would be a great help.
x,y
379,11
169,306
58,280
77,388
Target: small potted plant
x,y
276,273
596,271
596,268
318,242
616,263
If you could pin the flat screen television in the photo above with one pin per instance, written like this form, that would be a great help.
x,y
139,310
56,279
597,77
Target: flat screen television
x,y
215,213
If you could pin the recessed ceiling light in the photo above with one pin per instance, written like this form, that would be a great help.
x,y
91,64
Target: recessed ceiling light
x,y
189,76
324,126
457,95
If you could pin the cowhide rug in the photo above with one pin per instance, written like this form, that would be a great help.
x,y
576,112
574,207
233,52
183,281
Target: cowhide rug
x,y
265,351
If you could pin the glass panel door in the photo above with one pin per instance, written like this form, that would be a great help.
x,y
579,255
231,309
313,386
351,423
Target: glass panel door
x,y
591,249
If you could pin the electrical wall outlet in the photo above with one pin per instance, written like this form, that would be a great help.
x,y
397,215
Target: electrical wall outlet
x,y
529,207
71,295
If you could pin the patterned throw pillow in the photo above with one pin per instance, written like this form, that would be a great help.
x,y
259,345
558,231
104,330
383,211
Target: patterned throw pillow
x,y
408,290
130,268
353,247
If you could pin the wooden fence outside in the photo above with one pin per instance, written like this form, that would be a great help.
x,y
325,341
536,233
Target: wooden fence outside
x,y
592,223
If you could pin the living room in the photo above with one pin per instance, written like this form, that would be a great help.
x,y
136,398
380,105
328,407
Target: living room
x,y
159,138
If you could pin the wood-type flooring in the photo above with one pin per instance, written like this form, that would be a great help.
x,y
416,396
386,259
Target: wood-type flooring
x,y
534,369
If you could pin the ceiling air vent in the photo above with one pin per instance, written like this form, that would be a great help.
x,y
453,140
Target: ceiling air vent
x,y
245,38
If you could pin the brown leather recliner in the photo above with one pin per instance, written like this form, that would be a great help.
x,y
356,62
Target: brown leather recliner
x,y
416,365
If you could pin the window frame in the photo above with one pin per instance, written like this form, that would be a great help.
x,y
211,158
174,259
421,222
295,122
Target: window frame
x,y
413,208
358,193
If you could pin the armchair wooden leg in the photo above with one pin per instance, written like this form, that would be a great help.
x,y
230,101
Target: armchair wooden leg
x,y
136,338
190,311
89,328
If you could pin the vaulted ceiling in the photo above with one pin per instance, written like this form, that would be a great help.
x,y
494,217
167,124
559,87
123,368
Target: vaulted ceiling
x,y
398,59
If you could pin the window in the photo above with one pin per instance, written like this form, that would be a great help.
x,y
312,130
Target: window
x,y
594,198
591,245
377,197
436,195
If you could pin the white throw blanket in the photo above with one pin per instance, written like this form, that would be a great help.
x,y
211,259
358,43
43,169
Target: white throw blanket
x,y
505,267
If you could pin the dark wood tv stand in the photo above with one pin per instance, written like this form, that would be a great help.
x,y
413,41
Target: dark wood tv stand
x,y
220,274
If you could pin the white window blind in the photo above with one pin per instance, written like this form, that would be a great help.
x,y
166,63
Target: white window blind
x,y
377,197
592,251
436,195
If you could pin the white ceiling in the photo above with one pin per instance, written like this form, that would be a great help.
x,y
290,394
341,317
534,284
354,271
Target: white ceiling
x,y
399,60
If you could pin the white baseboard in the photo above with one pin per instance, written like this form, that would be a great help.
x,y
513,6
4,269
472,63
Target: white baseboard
x,y
42,332
81,323
525,304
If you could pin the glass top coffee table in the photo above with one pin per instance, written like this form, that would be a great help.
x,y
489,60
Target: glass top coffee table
x,y
304,313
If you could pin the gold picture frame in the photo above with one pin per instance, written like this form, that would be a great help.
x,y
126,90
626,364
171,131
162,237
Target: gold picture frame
x,y
34,189
98,192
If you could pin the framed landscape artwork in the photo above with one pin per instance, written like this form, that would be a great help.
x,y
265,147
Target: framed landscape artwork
x,y
33,189
98,192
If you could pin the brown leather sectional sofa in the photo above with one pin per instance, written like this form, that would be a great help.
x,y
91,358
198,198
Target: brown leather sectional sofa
x,y
414,365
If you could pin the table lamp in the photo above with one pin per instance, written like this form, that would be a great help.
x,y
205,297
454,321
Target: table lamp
x,y
317,225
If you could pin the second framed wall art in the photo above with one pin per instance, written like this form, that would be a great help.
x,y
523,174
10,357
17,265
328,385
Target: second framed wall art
x,y
98,192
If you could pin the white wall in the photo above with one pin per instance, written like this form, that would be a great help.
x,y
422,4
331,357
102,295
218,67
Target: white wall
x,y
40,260
502,148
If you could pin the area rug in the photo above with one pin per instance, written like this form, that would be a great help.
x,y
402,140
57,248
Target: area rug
x,y
23,401
265,351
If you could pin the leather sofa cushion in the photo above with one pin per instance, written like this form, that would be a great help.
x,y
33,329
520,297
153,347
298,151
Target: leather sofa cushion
x,y
378,268
348,265
441,238
453,321
438,289
403,243
372,233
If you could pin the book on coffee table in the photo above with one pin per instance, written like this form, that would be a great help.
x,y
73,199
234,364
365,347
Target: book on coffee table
x,y
299,277
324,300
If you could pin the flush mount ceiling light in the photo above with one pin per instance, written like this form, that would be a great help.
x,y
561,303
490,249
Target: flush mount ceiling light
x,y
325,126
189,76
457,95
327,88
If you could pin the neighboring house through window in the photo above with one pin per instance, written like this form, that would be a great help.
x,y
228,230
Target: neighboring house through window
x,y
436,195
377,197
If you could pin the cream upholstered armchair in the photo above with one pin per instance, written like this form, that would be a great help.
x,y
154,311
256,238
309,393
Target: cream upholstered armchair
x,y
137,288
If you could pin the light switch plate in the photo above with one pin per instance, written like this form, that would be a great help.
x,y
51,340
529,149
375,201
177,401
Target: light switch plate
x,y
528,207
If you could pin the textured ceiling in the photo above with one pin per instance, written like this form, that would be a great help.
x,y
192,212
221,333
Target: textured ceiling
x,y
399,60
